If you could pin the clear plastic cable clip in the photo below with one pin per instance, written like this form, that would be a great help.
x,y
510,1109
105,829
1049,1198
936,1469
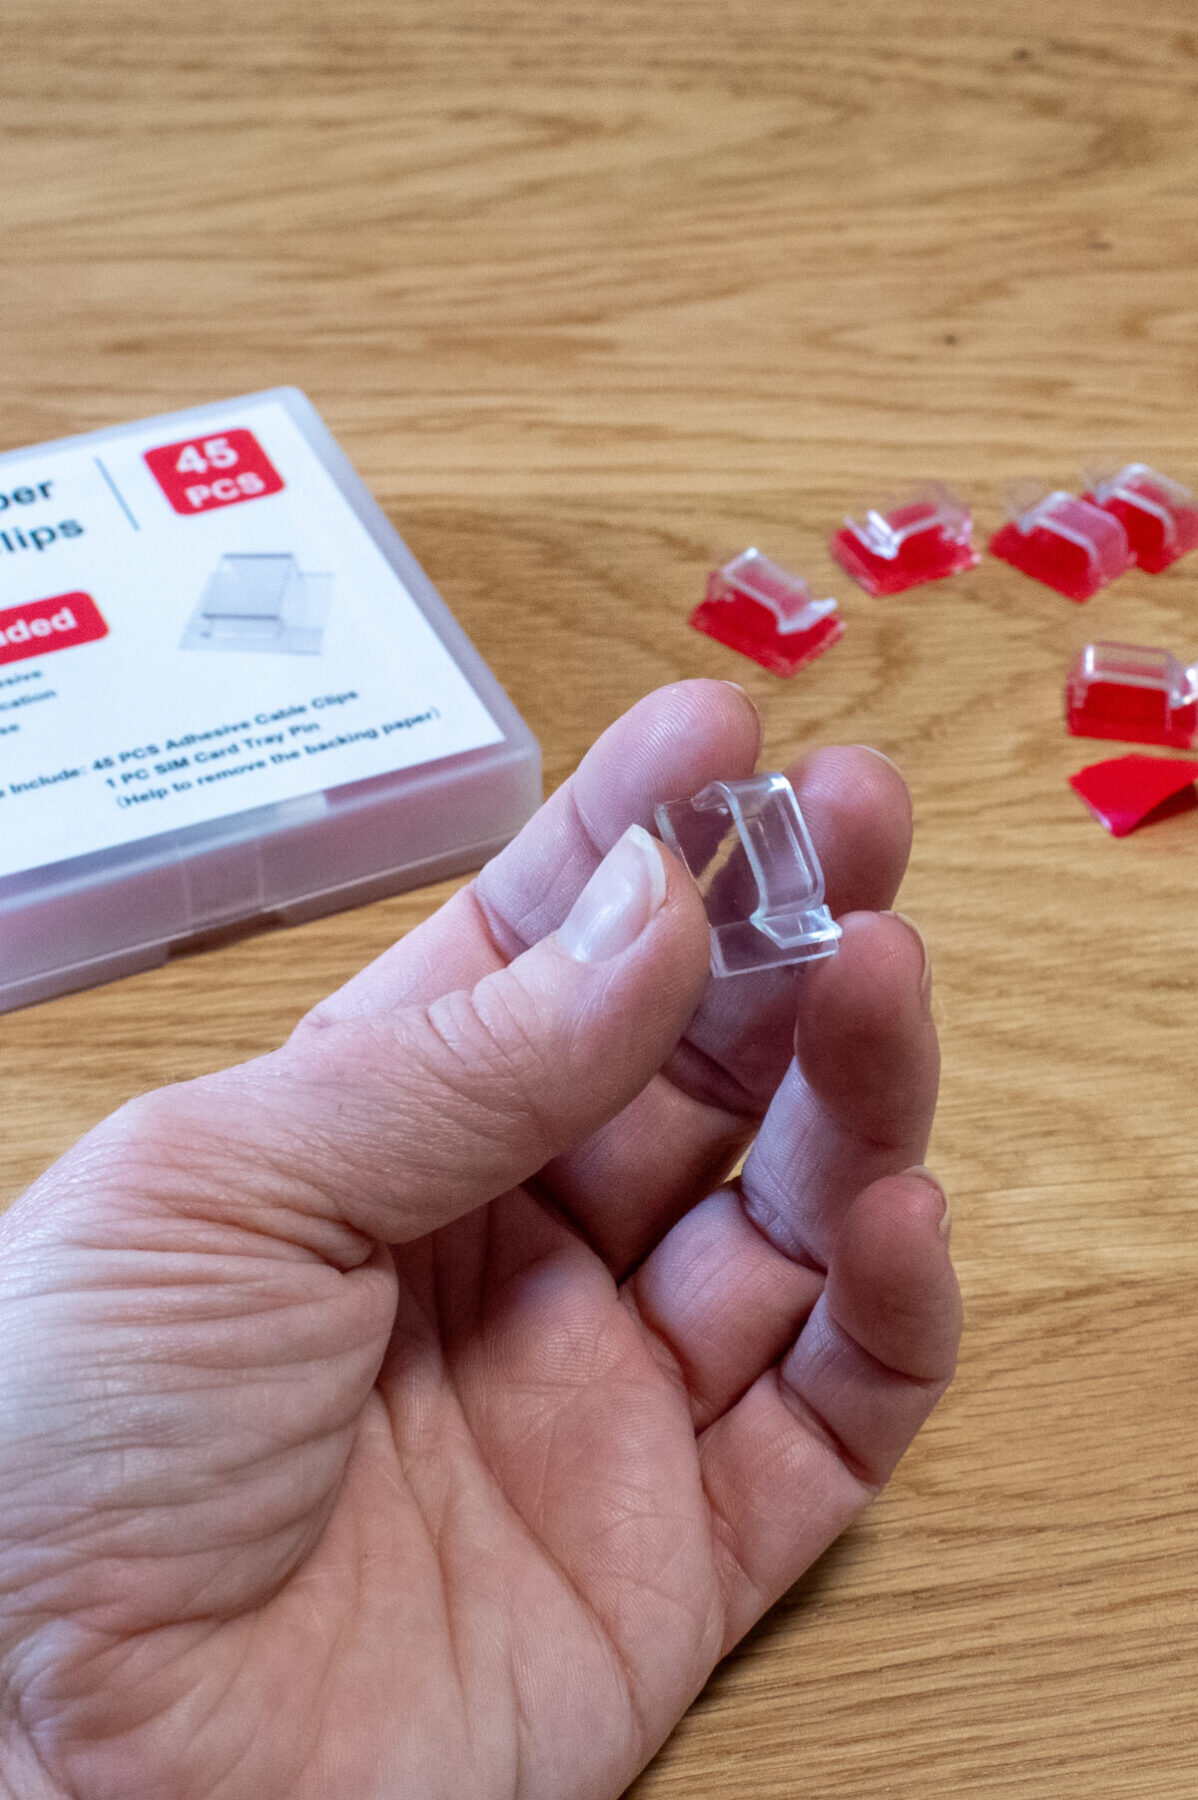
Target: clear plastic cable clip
x,y
759,608
1133,692
1159,515
747,845
1069,544
906,542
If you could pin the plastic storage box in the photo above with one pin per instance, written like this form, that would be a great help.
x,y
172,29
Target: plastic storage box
x,y
156,781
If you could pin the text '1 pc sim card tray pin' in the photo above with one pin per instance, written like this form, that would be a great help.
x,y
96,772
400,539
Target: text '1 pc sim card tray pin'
x,y
747,845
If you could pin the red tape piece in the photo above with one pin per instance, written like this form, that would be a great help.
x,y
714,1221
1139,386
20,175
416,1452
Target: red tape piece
x,y
1127,790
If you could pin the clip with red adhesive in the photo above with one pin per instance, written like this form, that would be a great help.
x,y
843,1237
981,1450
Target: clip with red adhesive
x,y
760,609
1158,515
746,844
921,538
1069,544
1139,695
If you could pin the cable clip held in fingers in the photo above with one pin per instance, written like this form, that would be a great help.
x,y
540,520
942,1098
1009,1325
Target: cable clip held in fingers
x,y
747,845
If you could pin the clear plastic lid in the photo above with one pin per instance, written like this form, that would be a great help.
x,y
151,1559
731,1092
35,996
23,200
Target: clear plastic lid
x,y
747,845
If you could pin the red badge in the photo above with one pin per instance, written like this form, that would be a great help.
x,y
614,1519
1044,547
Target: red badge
x,y
202,473
44,625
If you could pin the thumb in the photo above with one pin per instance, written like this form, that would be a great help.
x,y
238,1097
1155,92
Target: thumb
x,y
393,1125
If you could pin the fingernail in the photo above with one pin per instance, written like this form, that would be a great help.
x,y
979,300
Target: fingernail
x,y
925,1174
618,901
881,756
925,979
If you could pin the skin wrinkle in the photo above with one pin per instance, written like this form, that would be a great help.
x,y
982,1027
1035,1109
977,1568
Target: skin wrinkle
x,y
816,1422
766,1186
677,1359
193,1152
441,1017
188,1299
928,1382
724,1543
491,921
671,1360
435,1533
795,1252
53,1791
126,1652
436,1119
538,1545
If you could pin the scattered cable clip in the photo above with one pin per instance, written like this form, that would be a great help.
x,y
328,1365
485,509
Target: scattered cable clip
x,y
747,845
760,609
1139,695
1158,515
1128,790
922,538
1069,544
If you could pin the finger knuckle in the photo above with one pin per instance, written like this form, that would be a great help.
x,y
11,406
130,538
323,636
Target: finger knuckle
x,y
487,1050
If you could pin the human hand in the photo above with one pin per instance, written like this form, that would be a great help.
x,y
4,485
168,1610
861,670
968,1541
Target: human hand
x,y
410,1414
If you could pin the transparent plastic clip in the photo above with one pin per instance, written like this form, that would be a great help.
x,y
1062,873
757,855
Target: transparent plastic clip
x,y
760,609
747,845
923,537
1136,694
1159,515
1069,544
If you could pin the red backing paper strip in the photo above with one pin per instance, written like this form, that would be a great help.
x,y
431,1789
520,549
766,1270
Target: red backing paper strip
x,y
1125,791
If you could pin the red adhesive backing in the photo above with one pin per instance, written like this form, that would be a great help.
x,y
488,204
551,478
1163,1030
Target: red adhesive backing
x,y
1125,791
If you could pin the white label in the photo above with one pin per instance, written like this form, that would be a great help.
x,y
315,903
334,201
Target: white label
x,y
193,622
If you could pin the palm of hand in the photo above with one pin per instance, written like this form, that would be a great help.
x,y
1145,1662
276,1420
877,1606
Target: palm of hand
x,y
476,1513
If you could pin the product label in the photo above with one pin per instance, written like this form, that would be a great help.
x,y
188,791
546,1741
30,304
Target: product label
x,y
201,624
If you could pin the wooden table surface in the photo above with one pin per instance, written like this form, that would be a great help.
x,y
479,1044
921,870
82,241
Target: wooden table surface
x,y
593,297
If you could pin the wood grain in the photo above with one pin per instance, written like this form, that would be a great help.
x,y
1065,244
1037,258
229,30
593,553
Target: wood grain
x,y
593,297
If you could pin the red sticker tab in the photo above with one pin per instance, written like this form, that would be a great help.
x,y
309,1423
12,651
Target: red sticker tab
x,y
45,625
202,473
1127,790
